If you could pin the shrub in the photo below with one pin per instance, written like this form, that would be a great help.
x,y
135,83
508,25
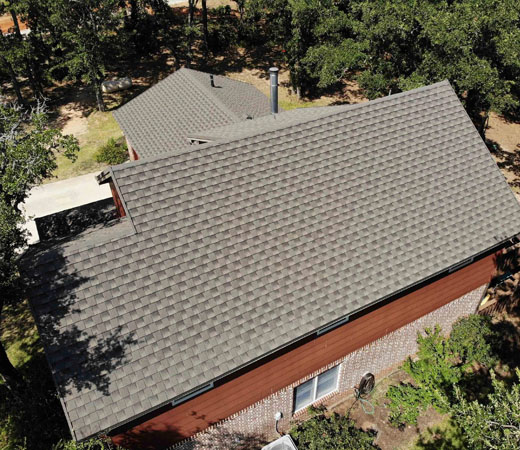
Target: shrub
x,y
406,403
334,432
113,152
473,339
434,373
441,364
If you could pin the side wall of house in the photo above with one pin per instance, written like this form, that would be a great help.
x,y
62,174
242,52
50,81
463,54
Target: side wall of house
x,y
117,200
278,376
257,423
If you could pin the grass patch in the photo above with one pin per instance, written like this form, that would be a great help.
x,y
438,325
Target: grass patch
x,y
18,333
445,436
291,102
100,128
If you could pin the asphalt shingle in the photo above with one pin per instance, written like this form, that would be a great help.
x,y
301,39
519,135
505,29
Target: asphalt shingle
x,y
159,120
231,238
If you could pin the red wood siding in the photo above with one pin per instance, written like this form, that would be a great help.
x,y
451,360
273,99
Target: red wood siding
x,y
235,395
117,201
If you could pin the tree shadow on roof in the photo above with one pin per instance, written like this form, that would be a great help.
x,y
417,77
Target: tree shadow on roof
x,y
82,351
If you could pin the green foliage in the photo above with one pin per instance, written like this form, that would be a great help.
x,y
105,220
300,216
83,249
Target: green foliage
x,y
112,153
433,372
334,432
27,156
28,150
441,364
494,424
400,45
374,84
329,63
406,403
222,30
473,339
444,436
89,30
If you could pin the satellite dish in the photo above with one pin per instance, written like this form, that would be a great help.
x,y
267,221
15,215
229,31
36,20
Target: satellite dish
x,y
366,385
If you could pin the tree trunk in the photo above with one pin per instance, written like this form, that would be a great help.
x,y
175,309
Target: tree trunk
x,y
134,11
205,27
484,125
16,24
191,14
191,11
99,97
12,377
14,81
29,68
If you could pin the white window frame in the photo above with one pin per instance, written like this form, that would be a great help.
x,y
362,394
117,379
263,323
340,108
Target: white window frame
x,y
315,389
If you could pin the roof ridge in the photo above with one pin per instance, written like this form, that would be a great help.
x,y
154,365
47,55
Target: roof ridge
x,y
209,91
304,121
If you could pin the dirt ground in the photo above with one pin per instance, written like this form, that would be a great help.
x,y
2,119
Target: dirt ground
x,y
504,136
374,416
6,22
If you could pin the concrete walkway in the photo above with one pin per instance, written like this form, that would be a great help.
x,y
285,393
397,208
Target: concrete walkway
x,y
61,195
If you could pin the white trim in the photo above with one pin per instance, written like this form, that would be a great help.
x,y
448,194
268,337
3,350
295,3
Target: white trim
x,y
315,388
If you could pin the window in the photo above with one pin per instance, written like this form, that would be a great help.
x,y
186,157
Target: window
x,y
316,388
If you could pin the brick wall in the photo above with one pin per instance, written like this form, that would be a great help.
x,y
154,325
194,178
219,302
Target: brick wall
x,y
247,428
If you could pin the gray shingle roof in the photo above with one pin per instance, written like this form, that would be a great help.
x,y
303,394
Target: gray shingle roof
x,y
158,120
244,246
264,124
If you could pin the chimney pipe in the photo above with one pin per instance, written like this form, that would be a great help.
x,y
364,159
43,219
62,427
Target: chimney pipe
x,y
273,76
212,81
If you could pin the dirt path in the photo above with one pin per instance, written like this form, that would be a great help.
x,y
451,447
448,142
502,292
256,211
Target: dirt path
x,y
74,122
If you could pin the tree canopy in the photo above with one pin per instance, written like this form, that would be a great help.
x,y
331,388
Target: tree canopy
x,y
28,149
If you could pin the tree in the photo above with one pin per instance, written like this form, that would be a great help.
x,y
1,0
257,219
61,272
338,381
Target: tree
x,y
27,157
205,33
6,63
289,25
89,30
474,44
494,424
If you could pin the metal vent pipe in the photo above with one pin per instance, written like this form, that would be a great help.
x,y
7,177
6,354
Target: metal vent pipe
x,y
273,76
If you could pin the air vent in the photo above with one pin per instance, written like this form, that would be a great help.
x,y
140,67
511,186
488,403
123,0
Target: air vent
x,y
284,443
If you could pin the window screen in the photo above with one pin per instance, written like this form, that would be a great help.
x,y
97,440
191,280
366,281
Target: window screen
x,y
327,382
316,388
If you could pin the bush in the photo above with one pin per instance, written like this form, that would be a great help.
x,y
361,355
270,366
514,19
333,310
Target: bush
x,y
334,432
473,338
441,365
434,373
113,152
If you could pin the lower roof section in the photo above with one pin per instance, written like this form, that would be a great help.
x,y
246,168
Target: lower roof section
x,y
162,428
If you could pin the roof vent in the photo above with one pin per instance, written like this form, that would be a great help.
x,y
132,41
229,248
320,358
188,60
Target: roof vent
x,y
273,76
284,443
212,80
